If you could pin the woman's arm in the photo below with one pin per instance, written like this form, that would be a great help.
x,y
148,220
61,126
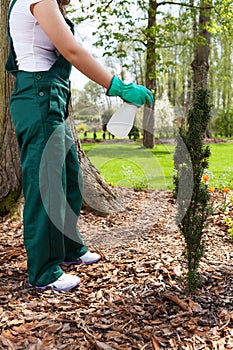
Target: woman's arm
x,y
53,24
49,17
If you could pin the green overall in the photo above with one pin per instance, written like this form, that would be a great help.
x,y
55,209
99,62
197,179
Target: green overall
x,y
50,168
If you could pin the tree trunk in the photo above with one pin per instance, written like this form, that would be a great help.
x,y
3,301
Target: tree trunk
x,y
200,64
10,171
98,196
148,117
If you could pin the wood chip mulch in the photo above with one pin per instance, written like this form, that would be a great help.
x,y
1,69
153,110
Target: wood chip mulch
x,y
134,298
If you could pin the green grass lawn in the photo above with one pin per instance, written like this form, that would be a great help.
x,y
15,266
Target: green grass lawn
x,y
131,165
221,165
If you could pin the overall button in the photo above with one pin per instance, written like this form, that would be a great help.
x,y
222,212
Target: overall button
x,y
41,93
38,76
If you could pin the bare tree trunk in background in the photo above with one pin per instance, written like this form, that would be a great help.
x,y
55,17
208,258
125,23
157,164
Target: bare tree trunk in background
x,y
10,171
148,117
200,64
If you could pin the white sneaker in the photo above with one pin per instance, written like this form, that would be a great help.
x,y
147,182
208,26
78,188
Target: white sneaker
x,y
64,283
88,258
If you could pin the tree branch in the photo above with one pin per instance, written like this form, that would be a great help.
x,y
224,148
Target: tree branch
x,y
181,4
109,3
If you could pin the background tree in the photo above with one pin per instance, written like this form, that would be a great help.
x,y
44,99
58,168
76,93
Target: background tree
x,y
145,34
123,32
89,102
200,64
221,76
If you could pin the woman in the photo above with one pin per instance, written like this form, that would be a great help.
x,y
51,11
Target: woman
x,y
42,52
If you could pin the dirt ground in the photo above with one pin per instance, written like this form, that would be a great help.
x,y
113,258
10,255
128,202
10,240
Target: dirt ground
x,y
134,298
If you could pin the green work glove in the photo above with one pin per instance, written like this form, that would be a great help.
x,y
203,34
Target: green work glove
x,y
132,93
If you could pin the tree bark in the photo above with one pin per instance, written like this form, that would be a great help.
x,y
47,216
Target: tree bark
x,y
10,171
200,64
98,196
148,117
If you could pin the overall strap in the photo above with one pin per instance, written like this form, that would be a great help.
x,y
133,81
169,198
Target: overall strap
x,y
70,24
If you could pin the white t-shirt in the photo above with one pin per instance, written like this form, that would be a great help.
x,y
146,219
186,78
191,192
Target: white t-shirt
x,y
34,50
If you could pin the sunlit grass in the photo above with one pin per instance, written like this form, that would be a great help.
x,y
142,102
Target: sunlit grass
x,y
221,165
133,166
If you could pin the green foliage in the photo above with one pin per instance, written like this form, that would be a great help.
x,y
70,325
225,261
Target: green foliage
x,y
134,133
135,177
224,123
223,17
229,222
140,186
189,168
124,34
229,218
89,101
81,128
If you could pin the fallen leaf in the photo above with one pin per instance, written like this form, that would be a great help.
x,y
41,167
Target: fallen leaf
x,y
177,300
155,343
103,346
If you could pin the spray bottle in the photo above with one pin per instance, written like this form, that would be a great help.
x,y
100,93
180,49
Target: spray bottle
x,y
122,120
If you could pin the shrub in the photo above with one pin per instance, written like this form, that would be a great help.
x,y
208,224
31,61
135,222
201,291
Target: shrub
x,y
223,123
193,212
81,128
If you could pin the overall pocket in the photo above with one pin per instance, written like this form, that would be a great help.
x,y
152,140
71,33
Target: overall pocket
x,y
58,104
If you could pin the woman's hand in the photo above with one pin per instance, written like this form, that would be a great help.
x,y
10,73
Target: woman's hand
x,y
133,93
